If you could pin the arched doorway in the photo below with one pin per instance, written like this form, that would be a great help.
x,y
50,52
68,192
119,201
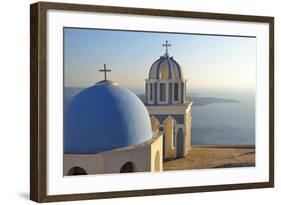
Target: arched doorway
x,y
157,162
76,171
180,143
127,168
168,139
154,124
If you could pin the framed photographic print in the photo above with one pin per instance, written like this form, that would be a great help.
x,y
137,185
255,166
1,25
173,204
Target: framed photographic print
x,y
134,102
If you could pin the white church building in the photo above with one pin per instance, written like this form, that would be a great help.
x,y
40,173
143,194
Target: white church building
x,y
108,129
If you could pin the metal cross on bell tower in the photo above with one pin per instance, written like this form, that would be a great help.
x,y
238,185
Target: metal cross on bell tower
x,y
105,71
166,44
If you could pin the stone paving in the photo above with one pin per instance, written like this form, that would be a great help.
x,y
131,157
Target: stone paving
x,y
213,157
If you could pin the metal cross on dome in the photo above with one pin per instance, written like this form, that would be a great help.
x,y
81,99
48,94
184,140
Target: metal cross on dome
x,y
104,70
166,44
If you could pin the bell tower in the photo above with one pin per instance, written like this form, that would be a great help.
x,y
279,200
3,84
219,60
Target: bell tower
x,y
170,112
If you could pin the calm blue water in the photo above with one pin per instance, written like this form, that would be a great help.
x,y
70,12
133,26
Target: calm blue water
x,y
216,123
225,123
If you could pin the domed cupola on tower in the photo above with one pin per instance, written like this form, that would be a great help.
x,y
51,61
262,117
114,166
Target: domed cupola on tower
x,y
165,84
165,68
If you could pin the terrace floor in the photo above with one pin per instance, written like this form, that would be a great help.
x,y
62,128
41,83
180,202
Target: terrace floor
x,y
213,157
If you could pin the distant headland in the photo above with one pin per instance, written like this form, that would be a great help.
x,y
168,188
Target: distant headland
x,y
201,101
194,97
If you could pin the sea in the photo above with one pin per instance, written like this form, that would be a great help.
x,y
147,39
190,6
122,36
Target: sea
x,y
229,121
225,118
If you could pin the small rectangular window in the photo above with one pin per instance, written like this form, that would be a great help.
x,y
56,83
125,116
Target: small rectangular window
x,y
162,91
176,92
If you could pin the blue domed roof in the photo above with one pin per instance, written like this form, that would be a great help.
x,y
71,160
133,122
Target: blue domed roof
x,y
105,117
167,63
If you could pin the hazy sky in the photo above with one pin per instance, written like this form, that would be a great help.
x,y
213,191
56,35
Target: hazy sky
x,y
208,62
